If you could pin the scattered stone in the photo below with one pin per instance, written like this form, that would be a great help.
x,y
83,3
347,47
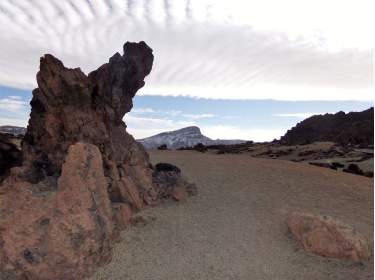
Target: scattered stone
x,y
163,147
338,164
323,164
369,174
354,169
327,237
138,221
169,182
200,148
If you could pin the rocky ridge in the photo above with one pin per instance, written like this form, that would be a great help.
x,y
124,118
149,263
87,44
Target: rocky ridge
x,y
355,128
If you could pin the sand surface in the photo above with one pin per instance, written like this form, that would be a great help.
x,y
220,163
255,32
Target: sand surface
x,y
235,228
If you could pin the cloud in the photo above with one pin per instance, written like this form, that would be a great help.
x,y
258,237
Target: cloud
x,y
233,132
15,121
141,127
142,110
198,116
204,49
170,113
12,104
298,115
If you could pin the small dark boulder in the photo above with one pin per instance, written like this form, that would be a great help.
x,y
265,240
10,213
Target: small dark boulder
x,y
354,169
10,154
168,182
338,164
323,164
167,167
200,148
163,147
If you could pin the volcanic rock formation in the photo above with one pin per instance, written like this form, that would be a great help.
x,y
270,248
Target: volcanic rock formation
x,y
353,128
82,174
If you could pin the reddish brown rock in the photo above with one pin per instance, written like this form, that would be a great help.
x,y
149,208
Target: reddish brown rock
x,y
82,174
327,237
50,234
121,215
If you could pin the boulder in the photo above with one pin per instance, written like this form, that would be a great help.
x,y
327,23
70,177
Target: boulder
x,y
169,182
354,169
323,164
327,237
61,233
163,147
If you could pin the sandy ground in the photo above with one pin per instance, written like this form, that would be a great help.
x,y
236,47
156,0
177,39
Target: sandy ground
x,y
235,228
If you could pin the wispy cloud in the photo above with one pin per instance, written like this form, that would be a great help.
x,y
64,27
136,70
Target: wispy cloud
x,y
142,110
234,132
141,127
204,49
298,115
15,121
12,104
198,116
170,113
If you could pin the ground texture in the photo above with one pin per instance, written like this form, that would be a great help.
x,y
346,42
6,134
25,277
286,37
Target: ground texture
x,y
235,228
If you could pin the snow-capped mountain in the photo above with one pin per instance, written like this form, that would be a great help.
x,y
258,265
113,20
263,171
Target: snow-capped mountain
x,y
184,137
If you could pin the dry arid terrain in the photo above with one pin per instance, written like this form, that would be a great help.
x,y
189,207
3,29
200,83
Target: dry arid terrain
x,y
235,227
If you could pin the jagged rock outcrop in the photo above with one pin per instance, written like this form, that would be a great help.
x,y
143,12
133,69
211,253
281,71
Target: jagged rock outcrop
x,y
356,128
82,174
328,237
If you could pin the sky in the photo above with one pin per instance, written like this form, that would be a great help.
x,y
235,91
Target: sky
x,y
237,69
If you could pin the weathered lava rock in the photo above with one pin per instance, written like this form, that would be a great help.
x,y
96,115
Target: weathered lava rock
x,y
168,182
354,169
10,154
356,128
82,174
328,237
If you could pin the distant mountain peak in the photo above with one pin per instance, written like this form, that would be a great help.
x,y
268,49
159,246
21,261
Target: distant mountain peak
x,y
183,137
14,130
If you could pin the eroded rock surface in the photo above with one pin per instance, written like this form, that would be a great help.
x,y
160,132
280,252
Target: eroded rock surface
x,y
328,237
58,234
82,174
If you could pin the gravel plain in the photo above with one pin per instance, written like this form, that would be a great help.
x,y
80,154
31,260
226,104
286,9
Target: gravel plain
x,y
235,227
